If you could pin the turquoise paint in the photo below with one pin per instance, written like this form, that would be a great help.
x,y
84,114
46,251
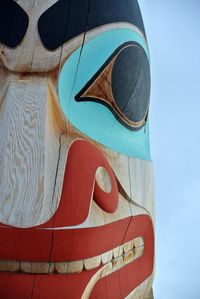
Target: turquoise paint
x,y
91,118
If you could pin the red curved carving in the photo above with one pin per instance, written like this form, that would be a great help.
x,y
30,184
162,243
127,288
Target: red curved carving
x,y
54,241
119,284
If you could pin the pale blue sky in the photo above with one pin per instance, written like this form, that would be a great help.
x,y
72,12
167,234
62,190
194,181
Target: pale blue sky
x,y
173,30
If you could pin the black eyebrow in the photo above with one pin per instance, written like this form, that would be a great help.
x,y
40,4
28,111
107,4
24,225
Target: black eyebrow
x,y
67,19
13,23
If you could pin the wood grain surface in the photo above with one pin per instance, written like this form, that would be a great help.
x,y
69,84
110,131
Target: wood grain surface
x,y
35,138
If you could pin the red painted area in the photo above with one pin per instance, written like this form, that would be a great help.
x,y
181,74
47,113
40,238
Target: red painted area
x,y
117,285
25,286
113,290
43,244
79,181
122,282
70,244
79,188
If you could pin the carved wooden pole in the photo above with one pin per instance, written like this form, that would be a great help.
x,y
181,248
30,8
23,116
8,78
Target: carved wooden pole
x,y
76,179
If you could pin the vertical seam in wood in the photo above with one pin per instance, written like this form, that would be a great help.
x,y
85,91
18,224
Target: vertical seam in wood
x,y
81,50
33,287
59,150
56,175
65,29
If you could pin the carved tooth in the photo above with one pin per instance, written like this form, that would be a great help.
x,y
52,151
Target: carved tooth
x,y
75,267
138,251
92,262
137,242
132,245
117,263
9,266
127,246
42,267
61,267
26,267
128,257
118,251
107,257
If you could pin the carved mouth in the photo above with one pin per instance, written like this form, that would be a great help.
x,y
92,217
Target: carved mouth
x,y
115,259
131,263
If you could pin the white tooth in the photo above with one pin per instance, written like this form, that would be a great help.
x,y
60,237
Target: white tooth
x,y
137,242
127,246
138,251
118,251
128,257
107,257
132,245
61,267
75,267
26,267
92,262
107,269
10,266
42,267
117,263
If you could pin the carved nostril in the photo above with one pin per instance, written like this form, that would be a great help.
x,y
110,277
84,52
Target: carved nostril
x,y
103,179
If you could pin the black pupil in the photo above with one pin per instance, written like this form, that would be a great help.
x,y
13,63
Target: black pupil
x,y
131,82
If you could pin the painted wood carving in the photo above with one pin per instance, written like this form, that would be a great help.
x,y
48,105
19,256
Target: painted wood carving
x,y
76,179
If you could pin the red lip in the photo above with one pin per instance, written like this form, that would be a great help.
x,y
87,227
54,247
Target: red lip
x,y
35,244
55,242
69,245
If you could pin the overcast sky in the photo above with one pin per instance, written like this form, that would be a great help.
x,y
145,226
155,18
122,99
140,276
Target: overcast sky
x,y
173,30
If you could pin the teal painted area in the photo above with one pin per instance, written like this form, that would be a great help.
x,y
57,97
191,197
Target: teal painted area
x,y
91,118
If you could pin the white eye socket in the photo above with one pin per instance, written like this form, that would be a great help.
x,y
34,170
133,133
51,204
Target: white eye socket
x,y
103,179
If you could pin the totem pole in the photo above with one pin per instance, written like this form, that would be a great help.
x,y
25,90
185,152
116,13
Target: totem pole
x,y
76,179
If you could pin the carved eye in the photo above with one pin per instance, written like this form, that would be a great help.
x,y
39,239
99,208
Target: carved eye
x,y
123,85
13,23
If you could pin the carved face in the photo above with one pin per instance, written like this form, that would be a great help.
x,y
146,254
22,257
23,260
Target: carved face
x,y
76,183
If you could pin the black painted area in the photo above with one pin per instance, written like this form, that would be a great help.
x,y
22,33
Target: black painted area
x,y
120,120
131,82
69,18
62,21
13,23
98,73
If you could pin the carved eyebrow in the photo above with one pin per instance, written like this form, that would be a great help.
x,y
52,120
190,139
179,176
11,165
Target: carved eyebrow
x,y
13,23
122,84
67,19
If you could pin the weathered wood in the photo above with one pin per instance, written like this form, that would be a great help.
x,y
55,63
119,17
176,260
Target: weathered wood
x,y
29,154
144,291
36,137
150,296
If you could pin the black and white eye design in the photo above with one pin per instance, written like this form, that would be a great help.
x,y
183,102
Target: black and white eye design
x,y
123,85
